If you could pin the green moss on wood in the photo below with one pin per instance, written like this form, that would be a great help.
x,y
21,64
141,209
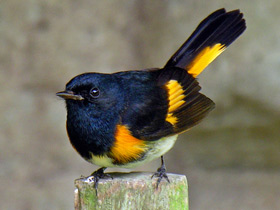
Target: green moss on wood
x,y
133,191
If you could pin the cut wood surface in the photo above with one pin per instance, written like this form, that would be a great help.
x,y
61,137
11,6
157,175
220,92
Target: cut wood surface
x,y
133,191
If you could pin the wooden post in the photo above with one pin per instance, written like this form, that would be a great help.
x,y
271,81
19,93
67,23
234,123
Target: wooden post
x,y
132,191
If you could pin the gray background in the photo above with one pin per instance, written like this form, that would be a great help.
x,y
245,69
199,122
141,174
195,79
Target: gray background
x,y
231,159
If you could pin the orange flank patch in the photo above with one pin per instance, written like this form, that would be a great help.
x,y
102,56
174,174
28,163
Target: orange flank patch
x,y
126,148
176,96
204,58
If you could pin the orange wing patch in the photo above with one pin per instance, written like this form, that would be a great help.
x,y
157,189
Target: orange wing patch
x,y
176,96
204,58
126,148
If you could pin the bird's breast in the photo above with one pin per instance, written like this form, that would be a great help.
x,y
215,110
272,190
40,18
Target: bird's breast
x,y
89,135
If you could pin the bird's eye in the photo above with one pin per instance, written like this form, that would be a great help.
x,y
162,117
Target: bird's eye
x,y
94,92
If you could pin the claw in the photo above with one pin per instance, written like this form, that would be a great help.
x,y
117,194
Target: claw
x,y
97,175
161,173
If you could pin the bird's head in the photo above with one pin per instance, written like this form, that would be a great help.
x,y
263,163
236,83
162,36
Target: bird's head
x,y
93,94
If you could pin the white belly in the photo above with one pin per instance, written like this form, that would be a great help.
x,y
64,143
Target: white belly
x,y
156,149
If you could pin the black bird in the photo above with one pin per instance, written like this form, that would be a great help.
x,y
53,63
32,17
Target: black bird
x,y
129,118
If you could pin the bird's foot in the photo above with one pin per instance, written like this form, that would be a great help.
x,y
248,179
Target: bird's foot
x,y
161,173
96,176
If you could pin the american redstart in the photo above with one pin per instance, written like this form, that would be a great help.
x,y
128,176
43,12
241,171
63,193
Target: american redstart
x,y
129,118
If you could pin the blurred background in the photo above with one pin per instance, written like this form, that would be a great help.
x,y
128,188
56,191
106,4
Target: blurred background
x,y
231,160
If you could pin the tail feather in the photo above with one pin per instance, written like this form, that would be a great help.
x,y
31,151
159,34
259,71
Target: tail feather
x,y
212,36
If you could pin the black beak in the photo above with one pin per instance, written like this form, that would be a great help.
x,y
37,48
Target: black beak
x,y
69,95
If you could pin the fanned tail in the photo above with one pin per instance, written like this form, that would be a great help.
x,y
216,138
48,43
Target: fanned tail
x,y
212,36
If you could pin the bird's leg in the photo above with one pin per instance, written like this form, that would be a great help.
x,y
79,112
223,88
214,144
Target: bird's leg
x,y
97,175
161,173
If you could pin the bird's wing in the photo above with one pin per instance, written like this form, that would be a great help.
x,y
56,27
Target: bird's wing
x,y
186,105
166,104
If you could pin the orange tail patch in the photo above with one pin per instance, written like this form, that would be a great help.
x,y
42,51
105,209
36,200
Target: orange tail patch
x,y
204,58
